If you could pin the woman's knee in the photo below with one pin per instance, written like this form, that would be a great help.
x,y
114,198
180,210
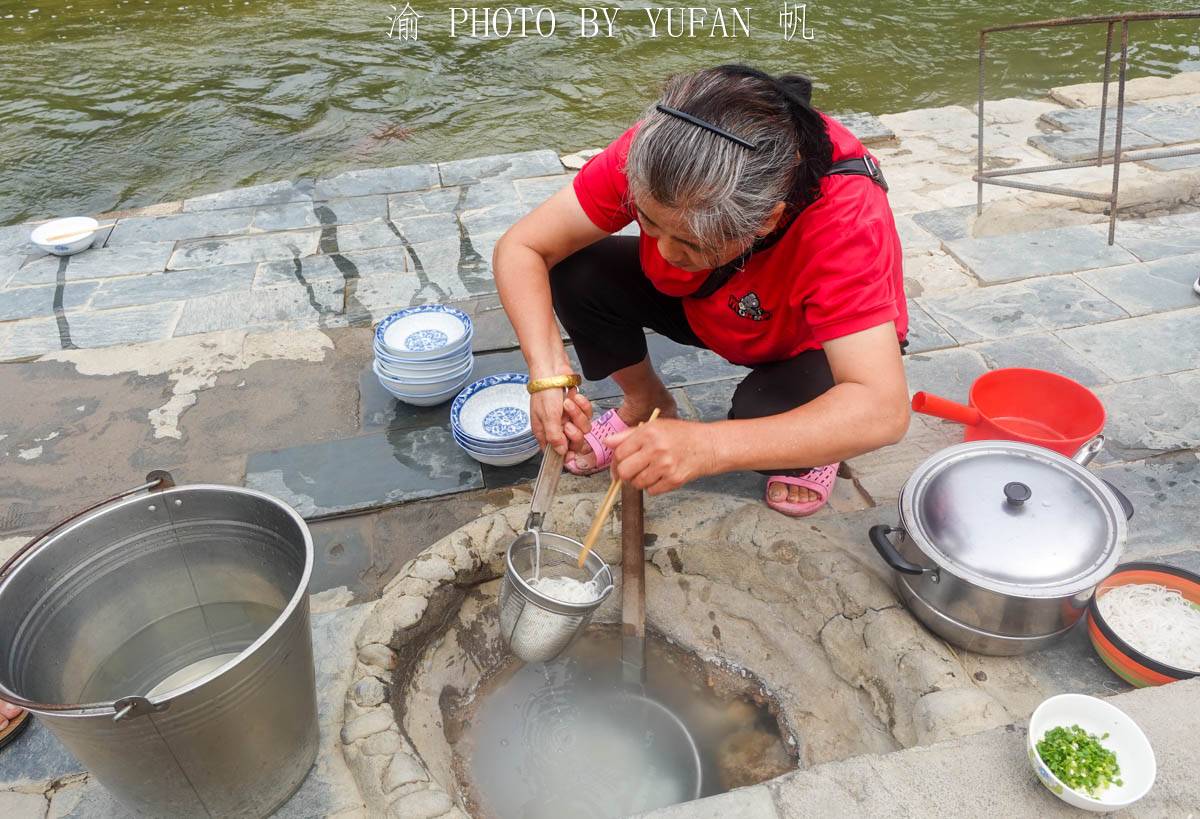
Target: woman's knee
x,y
587,275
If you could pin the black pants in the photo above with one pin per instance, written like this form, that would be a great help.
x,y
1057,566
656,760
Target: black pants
x,y
605,303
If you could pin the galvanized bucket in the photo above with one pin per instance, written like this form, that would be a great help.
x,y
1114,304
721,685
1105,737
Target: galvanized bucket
x,y
164,639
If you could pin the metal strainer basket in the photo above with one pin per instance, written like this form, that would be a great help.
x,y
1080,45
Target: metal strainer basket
x,y
538,628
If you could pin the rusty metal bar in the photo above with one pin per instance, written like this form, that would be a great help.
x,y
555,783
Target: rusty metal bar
x,y
1129,17
979,155
1104,94
1029,186
1112,215
983,177
1137,155
633,586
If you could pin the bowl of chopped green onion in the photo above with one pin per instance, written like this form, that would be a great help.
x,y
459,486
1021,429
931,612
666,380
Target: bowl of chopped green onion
x,y
1090,754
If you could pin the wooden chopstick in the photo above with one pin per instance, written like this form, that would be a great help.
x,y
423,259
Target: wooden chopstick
x,y
60,237
604,510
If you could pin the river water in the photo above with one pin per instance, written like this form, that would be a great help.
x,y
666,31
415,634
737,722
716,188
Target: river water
x,y
119,103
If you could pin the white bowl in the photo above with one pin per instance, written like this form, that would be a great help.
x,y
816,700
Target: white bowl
x,y
520,445
1135,757
449,353
402,380
504,460
82,230
443,369
495,409
424,332
416,389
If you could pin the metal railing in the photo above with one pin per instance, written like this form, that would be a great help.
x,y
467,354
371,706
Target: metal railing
x,y
991,177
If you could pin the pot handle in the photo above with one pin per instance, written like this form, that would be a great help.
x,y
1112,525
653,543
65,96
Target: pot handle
x,y
939,407
1086,454
883,545
1122,498
156,481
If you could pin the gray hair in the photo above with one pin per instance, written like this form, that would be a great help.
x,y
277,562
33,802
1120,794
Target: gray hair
x,y
723,190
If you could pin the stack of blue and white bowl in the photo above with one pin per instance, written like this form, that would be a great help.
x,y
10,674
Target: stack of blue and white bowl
x,y
490,420
423,354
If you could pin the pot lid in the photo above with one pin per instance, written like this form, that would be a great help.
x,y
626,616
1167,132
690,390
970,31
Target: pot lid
x,y
1014,518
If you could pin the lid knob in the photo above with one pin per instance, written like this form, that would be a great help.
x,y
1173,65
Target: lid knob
x,y
1016,493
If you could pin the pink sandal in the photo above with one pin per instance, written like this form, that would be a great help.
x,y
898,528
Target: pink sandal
x,y
819,480
607,424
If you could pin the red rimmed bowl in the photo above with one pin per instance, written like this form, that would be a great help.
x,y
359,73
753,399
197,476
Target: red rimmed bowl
x,y
1126,662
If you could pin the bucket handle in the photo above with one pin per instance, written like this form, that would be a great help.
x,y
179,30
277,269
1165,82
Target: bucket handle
x,y
156,481
939,407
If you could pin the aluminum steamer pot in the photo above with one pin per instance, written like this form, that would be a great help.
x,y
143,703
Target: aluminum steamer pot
x,y
1002,543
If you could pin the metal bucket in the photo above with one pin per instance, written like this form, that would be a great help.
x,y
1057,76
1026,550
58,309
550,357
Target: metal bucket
x,y
164,639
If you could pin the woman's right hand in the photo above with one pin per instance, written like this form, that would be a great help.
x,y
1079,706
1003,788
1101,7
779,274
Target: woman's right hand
x,y
551,416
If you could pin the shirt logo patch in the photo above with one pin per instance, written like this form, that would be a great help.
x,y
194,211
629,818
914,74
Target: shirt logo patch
x,y
748,306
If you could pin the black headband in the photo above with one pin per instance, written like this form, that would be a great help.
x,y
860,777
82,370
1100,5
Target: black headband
x,y
708,126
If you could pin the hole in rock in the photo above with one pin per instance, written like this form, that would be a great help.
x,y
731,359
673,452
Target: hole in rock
x,y
567,738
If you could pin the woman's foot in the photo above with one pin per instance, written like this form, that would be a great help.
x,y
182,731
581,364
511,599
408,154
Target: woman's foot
x,y
631,413
802,495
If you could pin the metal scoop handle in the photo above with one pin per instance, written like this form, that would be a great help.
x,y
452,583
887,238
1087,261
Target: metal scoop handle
x,y
544,488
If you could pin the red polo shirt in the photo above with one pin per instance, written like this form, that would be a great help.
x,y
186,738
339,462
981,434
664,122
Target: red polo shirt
x,y
836,270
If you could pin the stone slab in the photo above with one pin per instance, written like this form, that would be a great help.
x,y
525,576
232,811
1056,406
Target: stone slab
x,y
924,333
1071,148
1052,303
240,250
1152,287
869,129
882,473
914,238
1142,346
1041,351
492,220
91,328
380,295
362,236
937,272
379,409
97,263
350,475
38,301
948,373
1153,415
1087,120
362,264
1173,163
423,203
271,193
988,774
180,226
534,192
1015,256
711,401
376,181
253,309
501,166
947,223
296,215
1164,490
1170,123
175,285
1151,239
679,365
428,228
35,756
744,803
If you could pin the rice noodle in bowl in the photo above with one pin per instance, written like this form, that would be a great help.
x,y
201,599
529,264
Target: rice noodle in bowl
x,y
1157,621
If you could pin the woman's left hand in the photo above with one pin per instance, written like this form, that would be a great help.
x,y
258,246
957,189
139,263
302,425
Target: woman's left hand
x,y
662,456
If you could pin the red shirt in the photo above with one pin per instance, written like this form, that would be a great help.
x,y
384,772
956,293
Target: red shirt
x,y
835,271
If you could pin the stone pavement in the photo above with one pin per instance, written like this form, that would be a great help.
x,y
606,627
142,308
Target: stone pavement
x,y
227,338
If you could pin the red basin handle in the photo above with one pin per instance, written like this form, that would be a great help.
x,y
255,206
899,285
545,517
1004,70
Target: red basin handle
x,y
940,407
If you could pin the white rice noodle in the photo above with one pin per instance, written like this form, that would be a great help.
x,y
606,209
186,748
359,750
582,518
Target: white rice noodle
x,y
567,589
1156,621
